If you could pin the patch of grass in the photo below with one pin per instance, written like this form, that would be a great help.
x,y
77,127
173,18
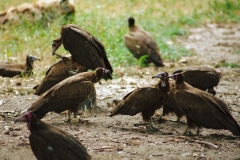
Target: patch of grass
x,y
107,20
230,65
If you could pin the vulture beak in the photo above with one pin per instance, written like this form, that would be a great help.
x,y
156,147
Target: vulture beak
x,y
105,71
55,45
35,58
20,119
159,75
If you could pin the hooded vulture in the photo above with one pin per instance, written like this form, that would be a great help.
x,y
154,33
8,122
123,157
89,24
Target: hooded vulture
x,y
11,69
67,94
50,142
85,49
204,78
201,108
140,43
144,100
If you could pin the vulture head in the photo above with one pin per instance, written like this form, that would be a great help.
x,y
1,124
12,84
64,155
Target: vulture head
x,y
178,77
26,117
55,45
131,21
29,61
100,73
164,78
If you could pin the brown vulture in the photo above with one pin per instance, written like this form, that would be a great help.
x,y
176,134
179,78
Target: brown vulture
x,y
140,43
11,69
61,70
67,94
52,143
204,78
56,73
170,105
85,49
144,100
201,108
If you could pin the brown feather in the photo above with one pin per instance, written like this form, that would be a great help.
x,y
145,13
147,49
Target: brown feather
x,y
204,78
85,49
140,43
50,142
67,94
11,69
202,108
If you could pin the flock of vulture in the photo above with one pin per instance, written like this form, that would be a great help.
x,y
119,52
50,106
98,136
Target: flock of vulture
x,y
68,83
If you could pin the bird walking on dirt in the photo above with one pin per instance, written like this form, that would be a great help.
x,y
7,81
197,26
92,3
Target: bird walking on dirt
x,y
144,100
201,108
67,94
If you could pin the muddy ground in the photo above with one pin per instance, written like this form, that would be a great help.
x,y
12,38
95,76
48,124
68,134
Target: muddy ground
x,y
116,137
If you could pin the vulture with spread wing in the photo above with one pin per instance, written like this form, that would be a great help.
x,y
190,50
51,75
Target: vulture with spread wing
x,y
85,49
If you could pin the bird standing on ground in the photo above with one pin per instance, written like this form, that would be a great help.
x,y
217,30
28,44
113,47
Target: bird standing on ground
x,y
201,108
201,77
144,100
85,49
11,69
50,142
67,94
55,74
141,43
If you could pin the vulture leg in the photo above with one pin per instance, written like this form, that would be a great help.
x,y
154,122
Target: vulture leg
x,y
151,126
184,133
158,119
178,119
198,128
69,115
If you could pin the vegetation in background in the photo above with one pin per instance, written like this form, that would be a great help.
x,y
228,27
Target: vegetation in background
x,y
107,20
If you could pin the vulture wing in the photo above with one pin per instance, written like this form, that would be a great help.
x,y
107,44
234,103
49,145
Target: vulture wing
x,y
65,95
55,144
137,101
85,48
140,44
200,107
55,74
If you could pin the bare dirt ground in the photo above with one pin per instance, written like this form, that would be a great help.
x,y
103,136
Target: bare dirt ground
x,y
116,137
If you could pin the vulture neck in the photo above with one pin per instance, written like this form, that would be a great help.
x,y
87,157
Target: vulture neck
x,y
180,81
29,65
164,85
32,125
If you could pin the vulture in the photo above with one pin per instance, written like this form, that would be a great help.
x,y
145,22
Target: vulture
x,y
140,43
52,143
56,73
59,71
204,78
201,108
170,105
86,50
67,94
145,100
11,69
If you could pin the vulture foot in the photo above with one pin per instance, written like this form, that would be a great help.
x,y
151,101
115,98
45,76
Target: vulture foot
x,y
151,126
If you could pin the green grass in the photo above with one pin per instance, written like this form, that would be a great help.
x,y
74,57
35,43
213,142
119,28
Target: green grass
x,y
107,20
